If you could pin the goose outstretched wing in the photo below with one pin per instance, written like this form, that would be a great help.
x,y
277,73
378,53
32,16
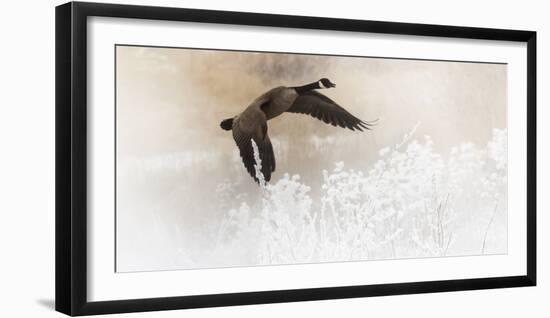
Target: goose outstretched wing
x,y
252,125
325,109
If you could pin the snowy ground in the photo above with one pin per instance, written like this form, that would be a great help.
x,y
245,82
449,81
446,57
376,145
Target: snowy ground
x,y
412,202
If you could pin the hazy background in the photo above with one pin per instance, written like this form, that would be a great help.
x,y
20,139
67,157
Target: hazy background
x,y
173,158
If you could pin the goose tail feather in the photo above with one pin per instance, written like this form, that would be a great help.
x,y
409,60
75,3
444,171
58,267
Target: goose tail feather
x,y
227,124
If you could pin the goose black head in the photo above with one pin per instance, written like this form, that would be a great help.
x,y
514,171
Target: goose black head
x,y
326,83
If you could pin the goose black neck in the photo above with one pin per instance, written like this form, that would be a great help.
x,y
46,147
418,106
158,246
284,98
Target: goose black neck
x,y
308,87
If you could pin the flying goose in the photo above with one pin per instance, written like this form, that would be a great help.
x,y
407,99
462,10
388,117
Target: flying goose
x,y
251,124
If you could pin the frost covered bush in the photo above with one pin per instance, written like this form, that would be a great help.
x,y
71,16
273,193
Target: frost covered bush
x,y
412,202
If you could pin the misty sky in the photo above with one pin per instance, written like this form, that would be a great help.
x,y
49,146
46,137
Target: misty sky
x,y
169,100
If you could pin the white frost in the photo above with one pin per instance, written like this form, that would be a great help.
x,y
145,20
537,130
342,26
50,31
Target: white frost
x,y
412,202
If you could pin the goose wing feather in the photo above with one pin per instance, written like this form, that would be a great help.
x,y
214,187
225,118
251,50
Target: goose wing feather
x,y
252,125
325,109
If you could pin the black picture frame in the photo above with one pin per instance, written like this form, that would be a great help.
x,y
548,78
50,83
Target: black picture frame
x,y
71,157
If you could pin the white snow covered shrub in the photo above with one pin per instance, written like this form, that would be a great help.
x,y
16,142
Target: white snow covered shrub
x,y
412,202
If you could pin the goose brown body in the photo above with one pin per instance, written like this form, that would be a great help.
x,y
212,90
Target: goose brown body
x,y
277,101
251,124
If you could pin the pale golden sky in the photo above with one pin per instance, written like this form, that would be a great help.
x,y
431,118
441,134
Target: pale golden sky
x,y
170,100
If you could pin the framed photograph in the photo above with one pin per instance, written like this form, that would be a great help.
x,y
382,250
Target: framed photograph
x,y
208,158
